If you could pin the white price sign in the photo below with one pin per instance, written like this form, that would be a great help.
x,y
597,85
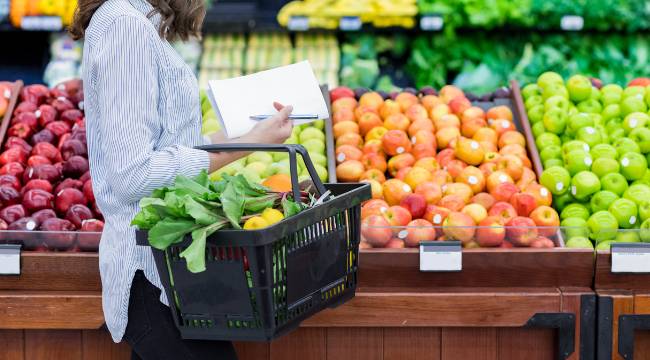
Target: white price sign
x,y
431,22
9,259
298,23
572,23
441,256
631,258
350,23
41,23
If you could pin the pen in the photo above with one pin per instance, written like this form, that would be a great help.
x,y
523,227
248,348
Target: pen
x,y
292,117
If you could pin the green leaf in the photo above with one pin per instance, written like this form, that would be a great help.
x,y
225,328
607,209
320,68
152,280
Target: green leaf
x,y
146,219
194,255
290,207
169,231
185,183
257,204
174,205
199,212
233,204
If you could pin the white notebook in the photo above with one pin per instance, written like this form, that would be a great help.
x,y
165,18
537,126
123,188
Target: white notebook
x,y
235,100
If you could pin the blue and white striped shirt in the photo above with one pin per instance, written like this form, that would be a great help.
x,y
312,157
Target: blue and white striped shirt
x,y
143,117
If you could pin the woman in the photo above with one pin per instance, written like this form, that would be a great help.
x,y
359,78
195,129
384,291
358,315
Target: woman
x,y
143,119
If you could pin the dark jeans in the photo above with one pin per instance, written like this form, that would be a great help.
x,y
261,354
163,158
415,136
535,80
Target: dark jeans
x,y
152,334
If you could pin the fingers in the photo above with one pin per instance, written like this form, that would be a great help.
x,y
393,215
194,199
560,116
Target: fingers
x,y
278,106
285,112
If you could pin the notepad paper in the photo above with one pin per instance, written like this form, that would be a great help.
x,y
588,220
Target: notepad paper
x,y
235,100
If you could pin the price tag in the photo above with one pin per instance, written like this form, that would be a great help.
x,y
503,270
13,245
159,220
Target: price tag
x,y
41,23
572,23
350,23
441,256
298,23
631,258
431,22
9,259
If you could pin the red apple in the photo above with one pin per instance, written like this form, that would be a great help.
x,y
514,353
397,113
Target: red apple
x,y
504,191
419,230
395,243
490,232
547,218
503,210
521,231
543,242
459,226
397,216
416,204
524,203
376,231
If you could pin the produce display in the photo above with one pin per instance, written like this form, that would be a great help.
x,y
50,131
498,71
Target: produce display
x,y
44,179
594,142
439,167
325,14
65,59
61,8
200,207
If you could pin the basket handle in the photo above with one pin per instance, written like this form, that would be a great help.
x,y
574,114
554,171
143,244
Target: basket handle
x,y
292,149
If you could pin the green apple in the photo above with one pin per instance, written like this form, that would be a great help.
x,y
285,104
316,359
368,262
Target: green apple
x,y
602,226
605,245
295,131
575,210
251,175
589,135
530,90
616,135
319,124
553,162
569,146
566,137
633,104
557,102
590,106
536,114
644,232
314,145
637,193
625,212
292,139
551,152
574,226
604,151
259,156
627,237
644,210
577,161
641,136
633,165
613,124
612,88
625,145
615,183
533,101
604,137
556,179
279,156
579,120
560,202
633,91
604,166
281,167
546,140
579,242
595,93
311,133
583,184
635,120
259,168
322,172
555,90
611,111
318,159
555,120
602,200
579,88
548,78
611,98
538,129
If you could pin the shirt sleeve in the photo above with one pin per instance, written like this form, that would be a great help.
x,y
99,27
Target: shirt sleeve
x,y
128,92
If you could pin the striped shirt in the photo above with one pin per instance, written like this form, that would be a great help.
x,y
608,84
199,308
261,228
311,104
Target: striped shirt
x,y
143,117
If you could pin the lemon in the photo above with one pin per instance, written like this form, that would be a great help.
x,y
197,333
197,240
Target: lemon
x,y
272,216
255,223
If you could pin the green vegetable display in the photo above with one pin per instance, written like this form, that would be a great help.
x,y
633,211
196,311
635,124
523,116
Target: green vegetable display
x,y
200,207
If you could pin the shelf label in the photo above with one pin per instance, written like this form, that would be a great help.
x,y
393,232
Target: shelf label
x,y
441,256
9,259
350,23
432,22
298,23
572,23
631,258
41,23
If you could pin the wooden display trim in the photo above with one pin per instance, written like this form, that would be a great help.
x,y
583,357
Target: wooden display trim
x,y
6,120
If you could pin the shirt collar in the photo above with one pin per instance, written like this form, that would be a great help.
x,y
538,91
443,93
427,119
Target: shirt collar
x,y
146,9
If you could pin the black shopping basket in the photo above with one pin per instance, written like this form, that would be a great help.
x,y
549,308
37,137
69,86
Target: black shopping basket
x,y
260,284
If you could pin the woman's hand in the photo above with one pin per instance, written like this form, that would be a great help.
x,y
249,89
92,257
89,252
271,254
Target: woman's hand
x,y
274,130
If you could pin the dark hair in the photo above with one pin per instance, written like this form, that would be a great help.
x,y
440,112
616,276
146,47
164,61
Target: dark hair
x,y
181,19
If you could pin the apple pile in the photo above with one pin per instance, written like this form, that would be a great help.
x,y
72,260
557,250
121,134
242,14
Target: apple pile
x,y
594,143
44,179
438,168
